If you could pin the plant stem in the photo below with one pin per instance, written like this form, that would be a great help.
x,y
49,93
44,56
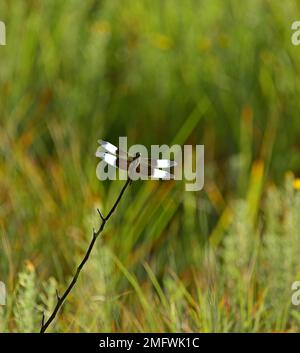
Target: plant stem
x,y
60,300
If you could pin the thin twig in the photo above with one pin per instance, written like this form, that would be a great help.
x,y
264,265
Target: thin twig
x,y
57,295
61,299
100,214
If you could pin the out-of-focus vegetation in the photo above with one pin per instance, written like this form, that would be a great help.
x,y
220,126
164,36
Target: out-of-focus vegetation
x,y
222,74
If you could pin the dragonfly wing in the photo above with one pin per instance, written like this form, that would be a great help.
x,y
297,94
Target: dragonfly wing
x,y
113,160
146,170
142,167
161,174
161,163
109,147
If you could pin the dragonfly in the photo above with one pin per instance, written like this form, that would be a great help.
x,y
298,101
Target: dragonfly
x,y
145,167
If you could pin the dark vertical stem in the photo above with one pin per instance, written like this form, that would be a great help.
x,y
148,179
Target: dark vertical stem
x,y
61,299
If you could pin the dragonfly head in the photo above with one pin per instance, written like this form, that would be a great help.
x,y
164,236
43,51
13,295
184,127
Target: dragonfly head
x,y
137,155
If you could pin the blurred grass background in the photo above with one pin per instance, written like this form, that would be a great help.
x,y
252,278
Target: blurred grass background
x,y
222,74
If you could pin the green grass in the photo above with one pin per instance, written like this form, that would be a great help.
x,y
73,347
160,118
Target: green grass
x,y
222,74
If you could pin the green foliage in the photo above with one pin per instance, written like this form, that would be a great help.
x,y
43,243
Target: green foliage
x,y
243,285
30,301
24,307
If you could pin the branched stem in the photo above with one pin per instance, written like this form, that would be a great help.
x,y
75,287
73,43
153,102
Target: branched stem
x,y
61,299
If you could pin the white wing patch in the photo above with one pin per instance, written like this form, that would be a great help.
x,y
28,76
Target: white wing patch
x,y
109,147
161,163
114,161
161,174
